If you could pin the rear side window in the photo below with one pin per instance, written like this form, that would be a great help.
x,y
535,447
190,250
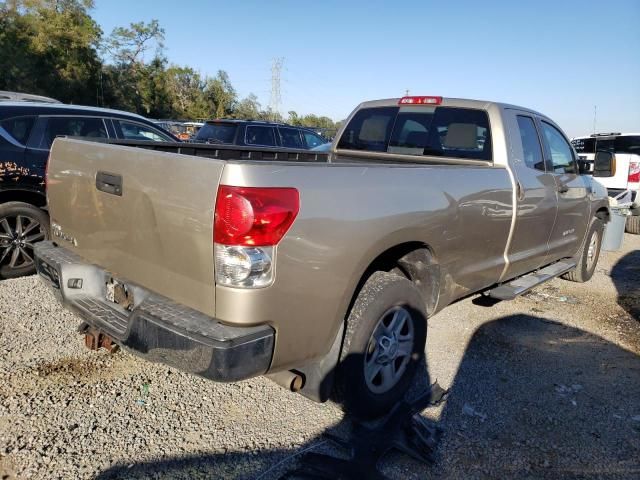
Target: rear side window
x,y
435,131
628,144
73,127
19,128
531,148
618,144
290,137
313,140
217,133
369,129
136,131
262,136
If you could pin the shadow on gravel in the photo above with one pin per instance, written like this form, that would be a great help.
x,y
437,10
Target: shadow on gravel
x,y
532,398
626,277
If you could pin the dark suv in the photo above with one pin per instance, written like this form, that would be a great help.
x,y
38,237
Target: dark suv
x,y
254,133
26,133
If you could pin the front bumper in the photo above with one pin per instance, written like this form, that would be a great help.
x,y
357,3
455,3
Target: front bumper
x,y
156,328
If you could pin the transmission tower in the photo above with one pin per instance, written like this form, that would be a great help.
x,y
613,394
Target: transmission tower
x,y
276,98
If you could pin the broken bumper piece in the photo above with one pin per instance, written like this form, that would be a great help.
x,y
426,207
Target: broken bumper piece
x,y
153,326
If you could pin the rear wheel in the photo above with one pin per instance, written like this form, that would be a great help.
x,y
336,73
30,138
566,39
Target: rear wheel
x,y
384,344
21,226
589,255
633,224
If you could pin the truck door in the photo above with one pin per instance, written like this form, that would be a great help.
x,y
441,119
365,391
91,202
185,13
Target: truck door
x,y
536,204
573,190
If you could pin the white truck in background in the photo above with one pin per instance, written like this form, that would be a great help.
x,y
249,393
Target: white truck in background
x,y
626,148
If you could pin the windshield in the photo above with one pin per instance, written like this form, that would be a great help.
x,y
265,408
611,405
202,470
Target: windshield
x,y
217,133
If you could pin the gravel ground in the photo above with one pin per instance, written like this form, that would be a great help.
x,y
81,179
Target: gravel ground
x,y
546,386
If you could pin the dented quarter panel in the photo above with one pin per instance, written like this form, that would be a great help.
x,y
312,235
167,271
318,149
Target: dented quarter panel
x,y
349,215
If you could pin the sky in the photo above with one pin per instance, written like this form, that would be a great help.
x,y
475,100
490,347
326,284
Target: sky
x,y
562,58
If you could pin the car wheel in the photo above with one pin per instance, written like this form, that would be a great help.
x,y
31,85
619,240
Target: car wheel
x,y
633,224
21,226
589,255
383,345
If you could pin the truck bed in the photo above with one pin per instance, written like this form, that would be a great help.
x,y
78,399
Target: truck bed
x,y
224,152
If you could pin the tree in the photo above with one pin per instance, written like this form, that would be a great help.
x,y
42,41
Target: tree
x,y
249,109
220,91
127,45
133,84
154,92
324,124
49,47
186,88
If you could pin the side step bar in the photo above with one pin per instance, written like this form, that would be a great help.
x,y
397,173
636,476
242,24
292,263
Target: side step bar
x,y
515,288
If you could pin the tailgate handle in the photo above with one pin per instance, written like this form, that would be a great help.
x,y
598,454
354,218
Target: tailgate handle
x,y
109,183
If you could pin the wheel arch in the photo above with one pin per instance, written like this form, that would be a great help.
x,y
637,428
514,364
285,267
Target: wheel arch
x,y
413,260
603,214
37,199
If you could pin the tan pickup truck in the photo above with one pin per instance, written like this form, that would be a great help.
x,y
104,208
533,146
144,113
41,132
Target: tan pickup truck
x,y
317,269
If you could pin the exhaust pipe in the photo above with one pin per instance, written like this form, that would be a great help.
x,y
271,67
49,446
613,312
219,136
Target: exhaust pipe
x,y
287,379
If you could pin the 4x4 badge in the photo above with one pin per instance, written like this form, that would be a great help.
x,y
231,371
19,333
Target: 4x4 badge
x,y
57,231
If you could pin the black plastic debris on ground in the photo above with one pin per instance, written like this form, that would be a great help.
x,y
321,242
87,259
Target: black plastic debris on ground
x,y
403,429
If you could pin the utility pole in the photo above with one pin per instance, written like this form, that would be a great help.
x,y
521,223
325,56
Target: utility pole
x,y
595,113
406,92
276,98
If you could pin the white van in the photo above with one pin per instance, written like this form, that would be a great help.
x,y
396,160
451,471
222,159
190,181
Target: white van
x,y
626,147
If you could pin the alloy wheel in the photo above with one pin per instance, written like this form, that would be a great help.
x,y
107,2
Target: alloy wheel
x,y
18,234
389,350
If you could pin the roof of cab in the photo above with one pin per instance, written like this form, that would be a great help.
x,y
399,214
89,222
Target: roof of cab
x,y
451,102
41,108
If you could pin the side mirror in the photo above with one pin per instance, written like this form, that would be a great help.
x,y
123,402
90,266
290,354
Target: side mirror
x,y
604,164
584,167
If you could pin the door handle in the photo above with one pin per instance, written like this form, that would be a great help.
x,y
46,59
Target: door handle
x,y
109,183
563,189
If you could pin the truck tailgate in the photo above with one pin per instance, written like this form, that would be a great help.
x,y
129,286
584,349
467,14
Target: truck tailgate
x,y
154,230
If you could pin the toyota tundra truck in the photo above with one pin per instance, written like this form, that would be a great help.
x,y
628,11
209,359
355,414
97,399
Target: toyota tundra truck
x,y
319,270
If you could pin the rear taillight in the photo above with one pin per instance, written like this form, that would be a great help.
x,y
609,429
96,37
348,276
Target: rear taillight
x,y
249,222
634,172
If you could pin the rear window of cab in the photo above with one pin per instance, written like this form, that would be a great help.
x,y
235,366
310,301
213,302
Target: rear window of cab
x,y
617,144
420,130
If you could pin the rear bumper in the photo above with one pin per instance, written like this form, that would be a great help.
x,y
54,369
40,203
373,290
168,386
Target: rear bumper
x,y
156,328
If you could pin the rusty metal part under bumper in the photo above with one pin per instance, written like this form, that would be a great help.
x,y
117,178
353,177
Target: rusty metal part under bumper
x,y
156,328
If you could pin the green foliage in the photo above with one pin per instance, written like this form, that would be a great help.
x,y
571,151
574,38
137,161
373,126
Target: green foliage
x,y
127,45
249,109
221,94
53,48
49,47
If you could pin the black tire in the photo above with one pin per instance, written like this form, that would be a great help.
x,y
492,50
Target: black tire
x,y
586,263
382,294
35,227
633,224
